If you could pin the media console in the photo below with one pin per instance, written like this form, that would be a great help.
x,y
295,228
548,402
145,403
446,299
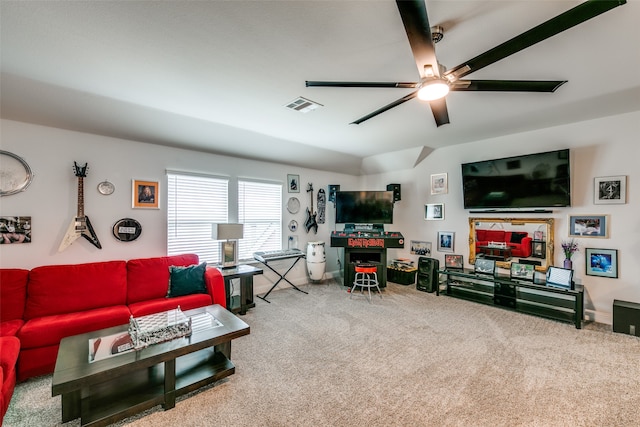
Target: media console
x,y
527,297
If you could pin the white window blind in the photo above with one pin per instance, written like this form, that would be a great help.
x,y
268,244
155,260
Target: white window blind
x,y
194,202
260,210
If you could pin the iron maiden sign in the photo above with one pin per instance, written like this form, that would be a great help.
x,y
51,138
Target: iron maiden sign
x,y
365,243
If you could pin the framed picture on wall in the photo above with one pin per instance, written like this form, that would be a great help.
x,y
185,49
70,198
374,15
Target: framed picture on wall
x,y
420,248
445,241
434,211
609,190
588,226
293,183
439,183
145,194
602,262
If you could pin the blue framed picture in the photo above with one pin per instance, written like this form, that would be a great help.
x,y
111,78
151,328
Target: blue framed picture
x,y
602,262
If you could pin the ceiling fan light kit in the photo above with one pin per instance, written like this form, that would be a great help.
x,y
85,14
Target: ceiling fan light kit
x,y
435,87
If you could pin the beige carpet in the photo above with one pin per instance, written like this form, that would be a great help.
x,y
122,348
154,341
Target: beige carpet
x,y
408,359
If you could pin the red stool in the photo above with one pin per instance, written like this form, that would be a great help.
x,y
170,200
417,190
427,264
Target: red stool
x,y
366,277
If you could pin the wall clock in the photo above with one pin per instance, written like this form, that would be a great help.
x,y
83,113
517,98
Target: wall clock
x,y
127,229
15,174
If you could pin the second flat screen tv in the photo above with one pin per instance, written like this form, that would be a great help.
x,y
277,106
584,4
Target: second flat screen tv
x,y
364,207
531,181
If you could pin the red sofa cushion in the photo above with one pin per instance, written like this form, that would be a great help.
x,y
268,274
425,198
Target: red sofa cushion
x,y
9,350
13,293
60,289
10,327
148,278
49,330
495,235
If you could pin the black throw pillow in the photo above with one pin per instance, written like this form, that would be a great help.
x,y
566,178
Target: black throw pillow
x,y
187,280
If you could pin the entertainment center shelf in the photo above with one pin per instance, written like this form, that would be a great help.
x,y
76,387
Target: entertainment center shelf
x,y
527,297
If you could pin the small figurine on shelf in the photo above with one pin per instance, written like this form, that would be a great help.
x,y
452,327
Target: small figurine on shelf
x,y
569,248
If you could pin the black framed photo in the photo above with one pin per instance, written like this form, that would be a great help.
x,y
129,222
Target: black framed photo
x,y
434,211
602,262
522,271
539,249
485,266
453,261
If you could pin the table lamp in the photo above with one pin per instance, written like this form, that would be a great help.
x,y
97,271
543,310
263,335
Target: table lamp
x,y
228,235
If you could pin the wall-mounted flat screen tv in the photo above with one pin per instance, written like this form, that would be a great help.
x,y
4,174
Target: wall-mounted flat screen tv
x,y
532,181
364,207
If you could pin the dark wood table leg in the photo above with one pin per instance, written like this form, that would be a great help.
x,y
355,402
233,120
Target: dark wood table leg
x,y
70,406
169,384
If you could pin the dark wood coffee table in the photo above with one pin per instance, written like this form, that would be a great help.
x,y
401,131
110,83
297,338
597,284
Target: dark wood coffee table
x,y
498,253
117,387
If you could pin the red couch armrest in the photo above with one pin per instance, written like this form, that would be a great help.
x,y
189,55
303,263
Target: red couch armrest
x,y
525,247
215,285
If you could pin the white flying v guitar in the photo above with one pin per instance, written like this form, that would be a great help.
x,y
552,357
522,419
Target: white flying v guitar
x,y
80,225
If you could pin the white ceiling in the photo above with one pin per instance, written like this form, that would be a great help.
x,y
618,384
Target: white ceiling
x,y
215,75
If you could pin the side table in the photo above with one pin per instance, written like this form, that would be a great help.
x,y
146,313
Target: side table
x,y
239,304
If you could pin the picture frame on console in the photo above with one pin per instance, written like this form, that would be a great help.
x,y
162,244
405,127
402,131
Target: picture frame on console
x,y
602,262
446,241
588,226
439,183
434,211
454,261
610,190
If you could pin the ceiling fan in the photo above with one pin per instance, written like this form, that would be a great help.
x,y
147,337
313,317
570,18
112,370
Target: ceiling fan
x,y
435,82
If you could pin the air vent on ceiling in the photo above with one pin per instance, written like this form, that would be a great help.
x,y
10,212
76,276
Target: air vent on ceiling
x,y
303,105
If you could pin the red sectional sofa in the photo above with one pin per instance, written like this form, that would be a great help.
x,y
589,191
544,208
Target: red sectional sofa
x,y
519,242
43,305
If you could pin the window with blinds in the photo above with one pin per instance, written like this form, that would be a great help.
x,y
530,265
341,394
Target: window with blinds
x,y
194,202
260,210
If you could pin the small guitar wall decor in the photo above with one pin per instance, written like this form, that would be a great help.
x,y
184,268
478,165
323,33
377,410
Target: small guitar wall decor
x,y
311,215
80,224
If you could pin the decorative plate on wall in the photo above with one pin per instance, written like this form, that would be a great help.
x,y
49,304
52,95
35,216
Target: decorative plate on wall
x,y
127,229
293,205
15,174
293,225
106,188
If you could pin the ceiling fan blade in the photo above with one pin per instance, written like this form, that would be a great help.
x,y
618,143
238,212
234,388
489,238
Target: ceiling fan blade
x,y
416,24
385,108
507,85
560,23
362,84
439,110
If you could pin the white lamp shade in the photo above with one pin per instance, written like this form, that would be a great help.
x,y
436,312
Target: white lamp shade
x,y
227,231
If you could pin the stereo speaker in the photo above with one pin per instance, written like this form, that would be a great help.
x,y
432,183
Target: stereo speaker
x,y
333,189
396,191
428,277
626,317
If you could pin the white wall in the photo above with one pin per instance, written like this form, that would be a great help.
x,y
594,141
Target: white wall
x,y
603,147
51,199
